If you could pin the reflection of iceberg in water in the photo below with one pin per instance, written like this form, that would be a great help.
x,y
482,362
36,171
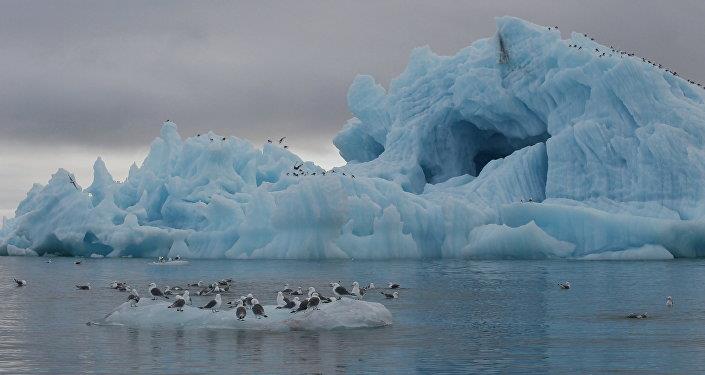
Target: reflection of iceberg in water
x,y
342,314
610,149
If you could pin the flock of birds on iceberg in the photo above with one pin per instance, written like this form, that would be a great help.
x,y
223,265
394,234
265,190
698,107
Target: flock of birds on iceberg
x,y
296,300
621,54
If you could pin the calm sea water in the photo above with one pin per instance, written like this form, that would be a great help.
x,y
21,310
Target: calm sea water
x,y
453,317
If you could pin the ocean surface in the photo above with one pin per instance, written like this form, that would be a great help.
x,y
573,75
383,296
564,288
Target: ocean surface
x,y
453,316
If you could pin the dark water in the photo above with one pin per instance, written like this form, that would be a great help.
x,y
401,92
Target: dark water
x,y
454,317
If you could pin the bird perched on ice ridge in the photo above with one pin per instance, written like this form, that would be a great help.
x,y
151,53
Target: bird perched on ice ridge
x,y
339,291
213,304
257,309
156,292
178,304
240,311
133,298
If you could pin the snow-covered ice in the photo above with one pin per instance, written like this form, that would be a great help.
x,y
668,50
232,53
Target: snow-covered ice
x,y
342,314
609,148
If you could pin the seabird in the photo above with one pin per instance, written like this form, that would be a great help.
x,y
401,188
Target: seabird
x,y
213,304
394,285
248,299
303,305
269,141
287,289
356,289
564,285
298,292
637,316
392,295
280,299
240,311
133,298
114,285
339,290
167,291
257,309
669,301
223,282
178,304
77,262
314,301
21,282
281,140
156,292
84,287
285,146
370,286
288,304
186,297
73,181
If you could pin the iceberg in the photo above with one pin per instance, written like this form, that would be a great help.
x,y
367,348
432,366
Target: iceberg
x,y
345,313
523,145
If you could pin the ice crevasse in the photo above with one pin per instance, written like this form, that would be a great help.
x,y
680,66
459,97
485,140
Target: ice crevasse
x,y
522,145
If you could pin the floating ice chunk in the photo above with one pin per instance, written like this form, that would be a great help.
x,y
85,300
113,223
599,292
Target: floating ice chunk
x,y
342,314
646,252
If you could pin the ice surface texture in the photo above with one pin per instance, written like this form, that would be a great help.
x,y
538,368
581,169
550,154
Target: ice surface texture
x,y
343,314
608,147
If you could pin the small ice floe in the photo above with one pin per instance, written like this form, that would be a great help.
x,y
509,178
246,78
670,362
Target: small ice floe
x,y
346,313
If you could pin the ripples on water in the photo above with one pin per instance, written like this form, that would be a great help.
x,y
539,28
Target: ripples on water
x,y
454,317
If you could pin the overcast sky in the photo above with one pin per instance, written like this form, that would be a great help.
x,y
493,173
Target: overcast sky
x,y
80,79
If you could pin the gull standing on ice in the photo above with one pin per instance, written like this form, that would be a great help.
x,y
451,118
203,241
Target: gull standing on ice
x,y
178,304
214,304
257,309
356,289
339,291
240,311
280,299
156,292
314,301
186,297
133,298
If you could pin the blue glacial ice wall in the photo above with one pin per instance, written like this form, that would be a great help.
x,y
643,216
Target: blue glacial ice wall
x,y
608,147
